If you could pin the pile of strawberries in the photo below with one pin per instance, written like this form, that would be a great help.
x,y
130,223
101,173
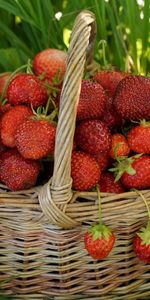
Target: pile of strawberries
x,y
114,131
111,142
28,120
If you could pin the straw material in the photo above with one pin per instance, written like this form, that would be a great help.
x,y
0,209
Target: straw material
x,y
42,253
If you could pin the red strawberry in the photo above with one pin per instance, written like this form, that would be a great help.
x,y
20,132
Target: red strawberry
x,y
92,101
27,89
141,242
132,98
35,138
2,146
141,245
134,171
4,77
119,146
93,136
99,241
50,62
10,121
139,138
108,185
141,179
109,104
16,172
103,160
109,80
4,108
85,171
112,119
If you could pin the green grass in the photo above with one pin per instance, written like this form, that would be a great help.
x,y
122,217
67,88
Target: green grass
x,y
27,27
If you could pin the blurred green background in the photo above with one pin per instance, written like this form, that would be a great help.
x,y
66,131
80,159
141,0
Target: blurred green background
x,y
29,26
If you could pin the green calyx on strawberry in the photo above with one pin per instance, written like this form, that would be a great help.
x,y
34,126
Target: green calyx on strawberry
x,y
144,234
141,242
124,164
42,114
100,231
145,123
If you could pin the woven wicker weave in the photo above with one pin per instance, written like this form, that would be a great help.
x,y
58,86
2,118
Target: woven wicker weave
x,y
42,255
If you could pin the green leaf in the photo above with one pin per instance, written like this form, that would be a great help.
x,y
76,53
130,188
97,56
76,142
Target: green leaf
x,y
9,59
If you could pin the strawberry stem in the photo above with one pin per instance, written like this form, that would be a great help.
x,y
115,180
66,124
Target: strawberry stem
x,y
47,105
53,114
143,198
99,205
50,101
116,149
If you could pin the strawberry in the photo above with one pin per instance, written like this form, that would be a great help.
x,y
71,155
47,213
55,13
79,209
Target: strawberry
x,y
139,138
132,98
99,241
112,119
141,178
108,185
109,80
2,146
85,171
16,172
50,62
141,245
119,146
141,241
4,77
27,89
91,102
109,104
93,136
10,121
4,107
35,138
133,171
103,160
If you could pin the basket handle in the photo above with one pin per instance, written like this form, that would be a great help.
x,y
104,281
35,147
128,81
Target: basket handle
x,y
58,191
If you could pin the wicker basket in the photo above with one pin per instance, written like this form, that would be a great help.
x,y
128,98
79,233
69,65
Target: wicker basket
x,y
42,254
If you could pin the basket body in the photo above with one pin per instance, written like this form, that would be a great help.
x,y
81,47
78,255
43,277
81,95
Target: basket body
x,y
41,261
